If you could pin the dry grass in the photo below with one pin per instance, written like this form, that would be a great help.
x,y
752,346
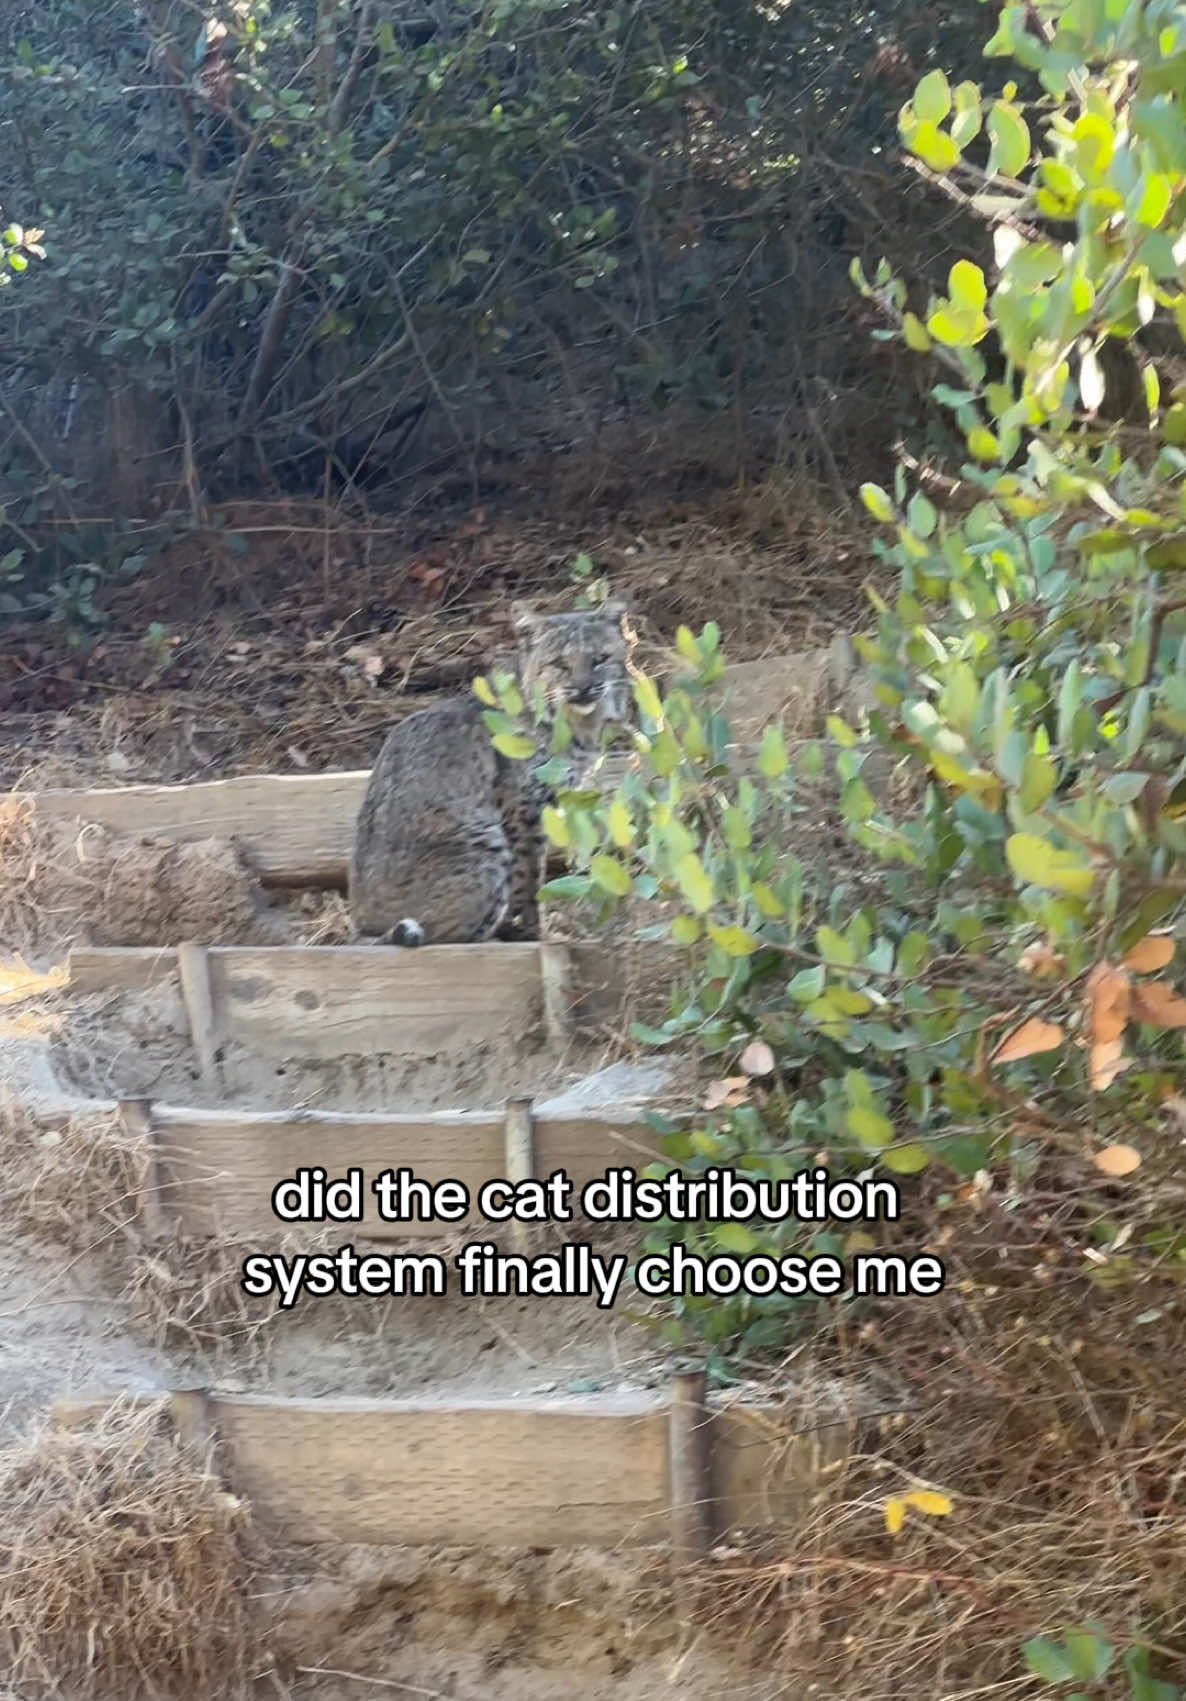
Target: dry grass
x,y
1050,1409
124,1565
64,884
80,1182
75,1180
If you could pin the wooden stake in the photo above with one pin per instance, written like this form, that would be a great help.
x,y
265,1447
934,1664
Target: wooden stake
x,y
519,1157
689,1469
193,1418
193,966
555,969
136,1116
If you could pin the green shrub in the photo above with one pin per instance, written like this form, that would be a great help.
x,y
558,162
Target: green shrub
x,y
1031,672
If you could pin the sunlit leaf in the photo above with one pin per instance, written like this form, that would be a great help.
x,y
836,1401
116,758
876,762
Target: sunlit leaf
x,y
1028,1040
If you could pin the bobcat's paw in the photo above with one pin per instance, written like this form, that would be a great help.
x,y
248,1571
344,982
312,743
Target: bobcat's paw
x,y
405,932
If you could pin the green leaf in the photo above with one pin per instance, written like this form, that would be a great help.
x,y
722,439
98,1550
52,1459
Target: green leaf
x,y
685,930
556,828
956,328
567,886
664,753
610,875
514,745
877,502
1038,863
906,1158
484,694
1090,1656
736,829
734,941
1039,776
834,948
1069,697
874,1131
772,753
621,828
808,984
687,646
1048,1660
735,1238
694,883
965,126
966,287
647,698
768,904
915,334
914,953
932,98
933,146
921,516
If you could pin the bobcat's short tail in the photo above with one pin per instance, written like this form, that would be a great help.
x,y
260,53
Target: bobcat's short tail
x,y
405,932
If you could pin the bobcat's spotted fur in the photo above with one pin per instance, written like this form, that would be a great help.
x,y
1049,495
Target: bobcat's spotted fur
x,y
448,848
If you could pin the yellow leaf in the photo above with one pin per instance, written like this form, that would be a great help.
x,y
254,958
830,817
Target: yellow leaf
x,y
1117,1160
895,1515
915,333
1027,1040
757,1058
933,1504
767,903
858,1241
1155,951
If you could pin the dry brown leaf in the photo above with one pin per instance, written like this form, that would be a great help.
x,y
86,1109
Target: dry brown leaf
x,y
1041,960
1108,995
1152,952
1027,1040
1117,1160
757,1058
1106,1062
1159,1004
729,1092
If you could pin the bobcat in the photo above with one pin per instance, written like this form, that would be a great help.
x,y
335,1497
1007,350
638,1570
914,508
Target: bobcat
x,y
447,848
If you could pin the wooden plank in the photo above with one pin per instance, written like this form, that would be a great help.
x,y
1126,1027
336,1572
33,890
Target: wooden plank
x,y
294,829
119,968
335,1001
216,1169
478,1474
490,1473
297,829
332,1001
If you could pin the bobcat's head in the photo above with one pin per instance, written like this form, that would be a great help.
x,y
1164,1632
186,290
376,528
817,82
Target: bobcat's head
x,y
578,660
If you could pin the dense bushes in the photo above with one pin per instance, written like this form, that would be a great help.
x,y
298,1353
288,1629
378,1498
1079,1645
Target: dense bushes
x,y
389,236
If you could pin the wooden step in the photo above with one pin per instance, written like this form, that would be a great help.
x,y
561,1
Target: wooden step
x,y
594,1471
213,1172
327,1001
